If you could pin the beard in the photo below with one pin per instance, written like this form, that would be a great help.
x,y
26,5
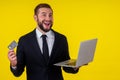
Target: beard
x,y
40,25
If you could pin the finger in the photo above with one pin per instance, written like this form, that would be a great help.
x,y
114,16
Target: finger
x,y
14,59
11,53
85,64
11,56
76,68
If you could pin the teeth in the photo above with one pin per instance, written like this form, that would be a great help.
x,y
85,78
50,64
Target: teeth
x,y
46,23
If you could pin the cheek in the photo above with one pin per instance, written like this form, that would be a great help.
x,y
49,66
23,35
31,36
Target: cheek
x,y
40,18
52,19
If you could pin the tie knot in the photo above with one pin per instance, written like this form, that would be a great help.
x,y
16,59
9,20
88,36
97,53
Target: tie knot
x,y
44,36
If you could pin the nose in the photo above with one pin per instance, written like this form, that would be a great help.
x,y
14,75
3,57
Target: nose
x,y
47,18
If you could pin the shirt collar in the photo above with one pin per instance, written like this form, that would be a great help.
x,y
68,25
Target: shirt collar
x,y
49,34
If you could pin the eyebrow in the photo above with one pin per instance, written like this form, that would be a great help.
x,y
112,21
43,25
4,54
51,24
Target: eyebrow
x,y
45,13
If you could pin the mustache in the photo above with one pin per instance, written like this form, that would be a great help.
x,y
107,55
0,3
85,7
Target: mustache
x,y
47,21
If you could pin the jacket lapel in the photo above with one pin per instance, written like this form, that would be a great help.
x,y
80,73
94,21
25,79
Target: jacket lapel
x,y
55,46
36,47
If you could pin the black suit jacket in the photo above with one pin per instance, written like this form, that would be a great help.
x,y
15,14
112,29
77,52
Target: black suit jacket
x,y
29,55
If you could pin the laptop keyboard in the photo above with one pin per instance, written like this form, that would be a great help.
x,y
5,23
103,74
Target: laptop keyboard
x,y
71,62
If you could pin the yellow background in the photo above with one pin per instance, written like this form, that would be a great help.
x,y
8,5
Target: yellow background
x,y
79,20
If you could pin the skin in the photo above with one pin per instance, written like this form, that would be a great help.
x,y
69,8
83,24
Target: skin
x,y
44,19
12,58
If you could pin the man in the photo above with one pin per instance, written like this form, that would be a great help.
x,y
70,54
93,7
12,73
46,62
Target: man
x,y
30,51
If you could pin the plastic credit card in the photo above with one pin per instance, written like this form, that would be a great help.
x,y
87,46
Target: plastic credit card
x,y
12,45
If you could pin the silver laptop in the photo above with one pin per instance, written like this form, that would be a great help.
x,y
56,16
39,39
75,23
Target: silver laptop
x,y
85,55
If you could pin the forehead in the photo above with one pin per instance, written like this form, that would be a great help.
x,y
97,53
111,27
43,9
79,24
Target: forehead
x,y
45,10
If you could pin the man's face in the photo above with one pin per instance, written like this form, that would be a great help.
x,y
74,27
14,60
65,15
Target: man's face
x,y
44,19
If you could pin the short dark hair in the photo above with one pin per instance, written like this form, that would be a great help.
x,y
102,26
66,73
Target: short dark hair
x,y
41,5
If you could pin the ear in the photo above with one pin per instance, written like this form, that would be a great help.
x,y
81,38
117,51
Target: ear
x,y
35,17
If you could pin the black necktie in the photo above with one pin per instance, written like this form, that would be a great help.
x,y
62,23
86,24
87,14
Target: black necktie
x,y
45,48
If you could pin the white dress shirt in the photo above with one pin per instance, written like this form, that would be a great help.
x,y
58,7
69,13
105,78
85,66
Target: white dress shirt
x,y
50,39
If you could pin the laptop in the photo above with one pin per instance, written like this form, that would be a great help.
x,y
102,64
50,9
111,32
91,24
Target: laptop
x,y
85,55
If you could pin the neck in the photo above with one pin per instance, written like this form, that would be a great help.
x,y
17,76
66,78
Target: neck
x,y
43,32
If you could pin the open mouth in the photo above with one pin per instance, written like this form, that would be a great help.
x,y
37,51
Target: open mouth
x,y
47,23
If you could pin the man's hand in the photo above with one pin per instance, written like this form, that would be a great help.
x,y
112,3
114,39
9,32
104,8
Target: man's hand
x,y
76,68
12,58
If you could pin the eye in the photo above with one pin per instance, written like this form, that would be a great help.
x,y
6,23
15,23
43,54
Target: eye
x,y
44,15
50,15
